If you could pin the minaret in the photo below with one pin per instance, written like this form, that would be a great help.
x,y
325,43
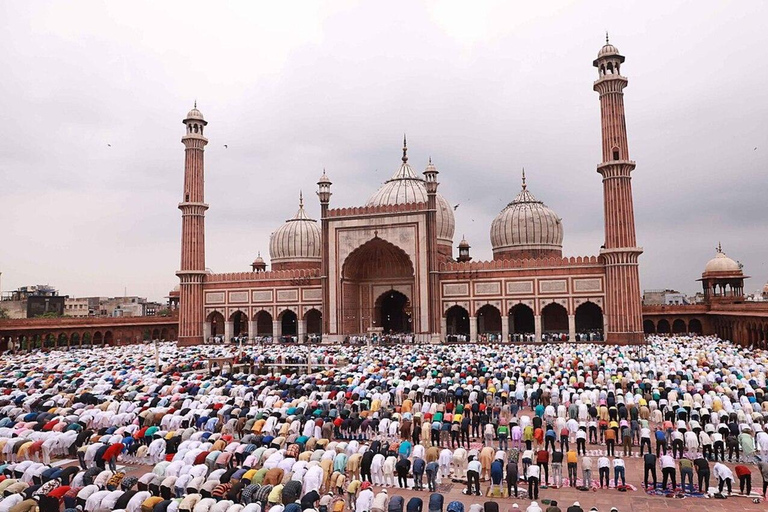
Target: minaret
x,y
193,210
623,309
434,314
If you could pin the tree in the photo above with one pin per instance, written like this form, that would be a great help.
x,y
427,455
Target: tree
x,y
164,312
3,314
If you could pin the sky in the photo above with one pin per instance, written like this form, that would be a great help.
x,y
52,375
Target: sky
x,y
93,94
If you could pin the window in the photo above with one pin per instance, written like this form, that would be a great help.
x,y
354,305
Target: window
x,y
615,153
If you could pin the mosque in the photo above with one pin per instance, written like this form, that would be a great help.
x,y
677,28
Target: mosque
x,y
388,266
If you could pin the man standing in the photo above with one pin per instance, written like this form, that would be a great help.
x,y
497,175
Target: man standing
x,y
702,471
512,477
604,471
649,467
572,461
534,472
724,477
686,473
619,471
745,479
668,471
473,477
586,471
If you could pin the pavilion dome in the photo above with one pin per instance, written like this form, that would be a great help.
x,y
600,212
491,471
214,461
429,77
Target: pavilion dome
x,y
526,227
298,240
194,114
606,50
722,263
405,187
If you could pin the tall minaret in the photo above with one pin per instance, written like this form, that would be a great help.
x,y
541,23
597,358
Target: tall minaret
x,y
433,291
623,308
193,210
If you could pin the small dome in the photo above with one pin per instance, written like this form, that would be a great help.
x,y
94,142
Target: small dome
x,y
404,187
298,240
258,261
526,226
324,178
607,50
765,289
722,263
194,114
463,244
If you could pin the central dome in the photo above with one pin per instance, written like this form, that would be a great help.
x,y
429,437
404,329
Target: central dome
x,y
526,228
404,187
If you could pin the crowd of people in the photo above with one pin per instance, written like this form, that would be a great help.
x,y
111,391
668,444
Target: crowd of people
x,y
101,430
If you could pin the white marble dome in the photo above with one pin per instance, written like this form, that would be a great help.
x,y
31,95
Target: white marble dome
x,y
722,263
298,240
526,225
405,187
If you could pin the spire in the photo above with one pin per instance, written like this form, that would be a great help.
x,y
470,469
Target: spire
x,y
524,186
301,199
195,102
405,149
606,38
719,247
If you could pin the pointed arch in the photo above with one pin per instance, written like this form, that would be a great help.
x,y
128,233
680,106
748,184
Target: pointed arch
x,y
456,322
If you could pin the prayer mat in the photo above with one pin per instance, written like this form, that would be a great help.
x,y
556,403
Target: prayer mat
x,y
444,487
498,492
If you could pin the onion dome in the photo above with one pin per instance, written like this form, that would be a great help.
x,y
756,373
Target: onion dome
x,y
526,228
296,241
722,264
405,187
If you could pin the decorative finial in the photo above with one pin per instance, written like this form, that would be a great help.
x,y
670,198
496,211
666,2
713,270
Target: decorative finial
x,y
301,199
430,160
719,247
524,186
405,149
195,102
606,37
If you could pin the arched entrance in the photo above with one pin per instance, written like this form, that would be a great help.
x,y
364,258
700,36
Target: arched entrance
x,y
263,324
393,312
589,317
694,326
98,338
663,327
521,323
457,323
239,324
376,264
216,319
678,326
74,340
554,320
314,321
489,323
62,342
164,334
288,324
649,327
108,338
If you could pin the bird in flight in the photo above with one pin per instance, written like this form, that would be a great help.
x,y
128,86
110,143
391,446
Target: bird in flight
x,y
225,146
455,206
110,145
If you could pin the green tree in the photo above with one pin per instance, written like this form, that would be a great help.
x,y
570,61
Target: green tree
x,y
3,314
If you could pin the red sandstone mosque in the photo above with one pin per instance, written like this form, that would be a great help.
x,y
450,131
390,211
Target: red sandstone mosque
x,y
388,266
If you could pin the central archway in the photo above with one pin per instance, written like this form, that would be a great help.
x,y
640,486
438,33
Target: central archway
x,y
457,323
521,321
554,318
374,265
393,312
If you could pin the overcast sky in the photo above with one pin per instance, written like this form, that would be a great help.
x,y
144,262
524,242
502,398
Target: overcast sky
x,y
292,88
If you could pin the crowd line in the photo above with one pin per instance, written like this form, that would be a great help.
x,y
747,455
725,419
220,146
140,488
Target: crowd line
x,y
103,430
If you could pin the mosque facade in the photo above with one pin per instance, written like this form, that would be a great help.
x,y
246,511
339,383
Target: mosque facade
x,y
388,266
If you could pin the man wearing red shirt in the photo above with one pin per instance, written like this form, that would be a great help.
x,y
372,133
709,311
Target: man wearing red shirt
x,y
745,478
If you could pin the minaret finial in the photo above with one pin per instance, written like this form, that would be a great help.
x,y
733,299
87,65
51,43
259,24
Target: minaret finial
x,y
195,102
430,159
405,149
524,186
719,247
301,199
606,37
